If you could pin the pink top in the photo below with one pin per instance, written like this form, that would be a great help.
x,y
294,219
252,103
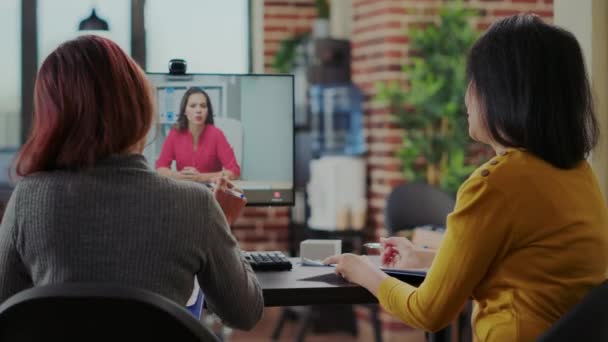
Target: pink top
x,y
212,153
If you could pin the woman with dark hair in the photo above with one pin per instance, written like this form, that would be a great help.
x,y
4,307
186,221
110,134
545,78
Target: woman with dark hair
x,y
200,150
89,209
528,237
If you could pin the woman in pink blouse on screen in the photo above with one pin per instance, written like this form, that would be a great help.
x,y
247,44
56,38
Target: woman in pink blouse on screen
x,y
199,149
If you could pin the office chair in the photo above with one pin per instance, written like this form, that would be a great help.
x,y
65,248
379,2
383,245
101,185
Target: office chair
x,y
412,205
93,311
586,321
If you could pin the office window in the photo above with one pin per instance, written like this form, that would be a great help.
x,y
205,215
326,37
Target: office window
x,y
10,69
212,36
58,21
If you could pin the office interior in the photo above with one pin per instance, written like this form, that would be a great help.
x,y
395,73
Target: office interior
x,y
337,50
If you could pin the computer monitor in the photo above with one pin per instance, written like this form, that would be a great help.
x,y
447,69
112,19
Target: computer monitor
x,y
255,113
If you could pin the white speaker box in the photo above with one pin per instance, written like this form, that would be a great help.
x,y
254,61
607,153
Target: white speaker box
x,y
319,249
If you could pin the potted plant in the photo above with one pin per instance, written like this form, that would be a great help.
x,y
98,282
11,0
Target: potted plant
x,y
431,110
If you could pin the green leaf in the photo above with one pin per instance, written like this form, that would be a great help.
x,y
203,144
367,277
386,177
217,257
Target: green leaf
x,y
283,61
322,9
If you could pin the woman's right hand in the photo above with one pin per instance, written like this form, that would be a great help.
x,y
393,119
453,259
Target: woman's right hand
x,y
232,205
399,252
395,251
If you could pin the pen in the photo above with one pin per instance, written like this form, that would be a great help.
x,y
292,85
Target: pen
x,y
378,245
235,193
230,191
308,262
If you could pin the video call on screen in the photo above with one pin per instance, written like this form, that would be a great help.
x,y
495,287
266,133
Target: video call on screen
x,y
254,112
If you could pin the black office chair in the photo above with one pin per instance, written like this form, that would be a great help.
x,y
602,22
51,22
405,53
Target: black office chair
x,y
412,205
586,321
96,312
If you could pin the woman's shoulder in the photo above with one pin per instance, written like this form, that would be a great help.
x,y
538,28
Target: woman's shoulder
x,y
214,133
183,191
513,171
175,132
38,179
500,172
37,186
506,167
214,130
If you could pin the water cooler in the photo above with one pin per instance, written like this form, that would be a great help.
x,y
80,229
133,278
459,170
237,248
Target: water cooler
x,y
336,187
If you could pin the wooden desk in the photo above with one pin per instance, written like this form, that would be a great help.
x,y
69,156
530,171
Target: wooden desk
x,y
306,285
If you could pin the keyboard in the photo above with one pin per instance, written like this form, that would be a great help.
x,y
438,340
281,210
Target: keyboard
x,y
268,261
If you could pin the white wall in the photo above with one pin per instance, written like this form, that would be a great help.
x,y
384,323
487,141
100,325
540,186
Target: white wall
x,y
58,21
257,36
586,19
575,16
211,35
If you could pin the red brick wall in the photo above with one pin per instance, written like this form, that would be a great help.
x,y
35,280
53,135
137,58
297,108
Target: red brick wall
x,y
284,19
379,48
262,228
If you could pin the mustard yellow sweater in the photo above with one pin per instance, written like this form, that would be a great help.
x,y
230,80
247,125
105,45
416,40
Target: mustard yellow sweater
x,y
526,241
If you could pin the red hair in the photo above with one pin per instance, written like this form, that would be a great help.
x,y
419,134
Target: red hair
x,y
91,100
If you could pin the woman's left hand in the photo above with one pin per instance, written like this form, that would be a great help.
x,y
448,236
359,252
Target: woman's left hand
x,y
358,269
232,205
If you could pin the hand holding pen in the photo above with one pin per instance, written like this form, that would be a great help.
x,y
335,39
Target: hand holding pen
x,y
231,199
399,252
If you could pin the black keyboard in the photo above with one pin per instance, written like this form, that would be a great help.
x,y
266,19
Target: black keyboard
x,y
268,261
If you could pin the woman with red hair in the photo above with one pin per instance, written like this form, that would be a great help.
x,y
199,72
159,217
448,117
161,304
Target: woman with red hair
x,y
89,208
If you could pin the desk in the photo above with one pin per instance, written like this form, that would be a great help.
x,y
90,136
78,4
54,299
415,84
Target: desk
x,y
310,285
306,285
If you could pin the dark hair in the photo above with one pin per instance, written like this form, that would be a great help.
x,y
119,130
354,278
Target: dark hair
x,y
531,84
182,119
90,100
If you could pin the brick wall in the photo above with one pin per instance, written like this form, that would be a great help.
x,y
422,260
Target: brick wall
x,y
379,48
262,228
284,19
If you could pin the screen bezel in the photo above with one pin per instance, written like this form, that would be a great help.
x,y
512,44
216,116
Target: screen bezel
x,y
287,203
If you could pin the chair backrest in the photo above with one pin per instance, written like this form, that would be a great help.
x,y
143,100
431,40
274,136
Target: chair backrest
x,y
233,130
413,205
586,321
91,311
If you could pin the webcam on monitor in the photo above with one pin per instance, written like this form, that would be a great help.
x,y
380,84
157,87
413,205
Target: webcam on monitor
x,y
177,66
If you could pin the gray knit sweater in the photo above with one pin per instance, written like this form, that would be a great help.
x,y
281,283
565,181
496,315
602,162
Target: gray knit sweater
x,y
121,222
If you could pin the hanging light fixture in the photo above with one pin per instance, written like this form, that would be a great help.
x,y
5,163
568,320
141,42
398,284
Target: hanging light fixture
x,y
93,23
